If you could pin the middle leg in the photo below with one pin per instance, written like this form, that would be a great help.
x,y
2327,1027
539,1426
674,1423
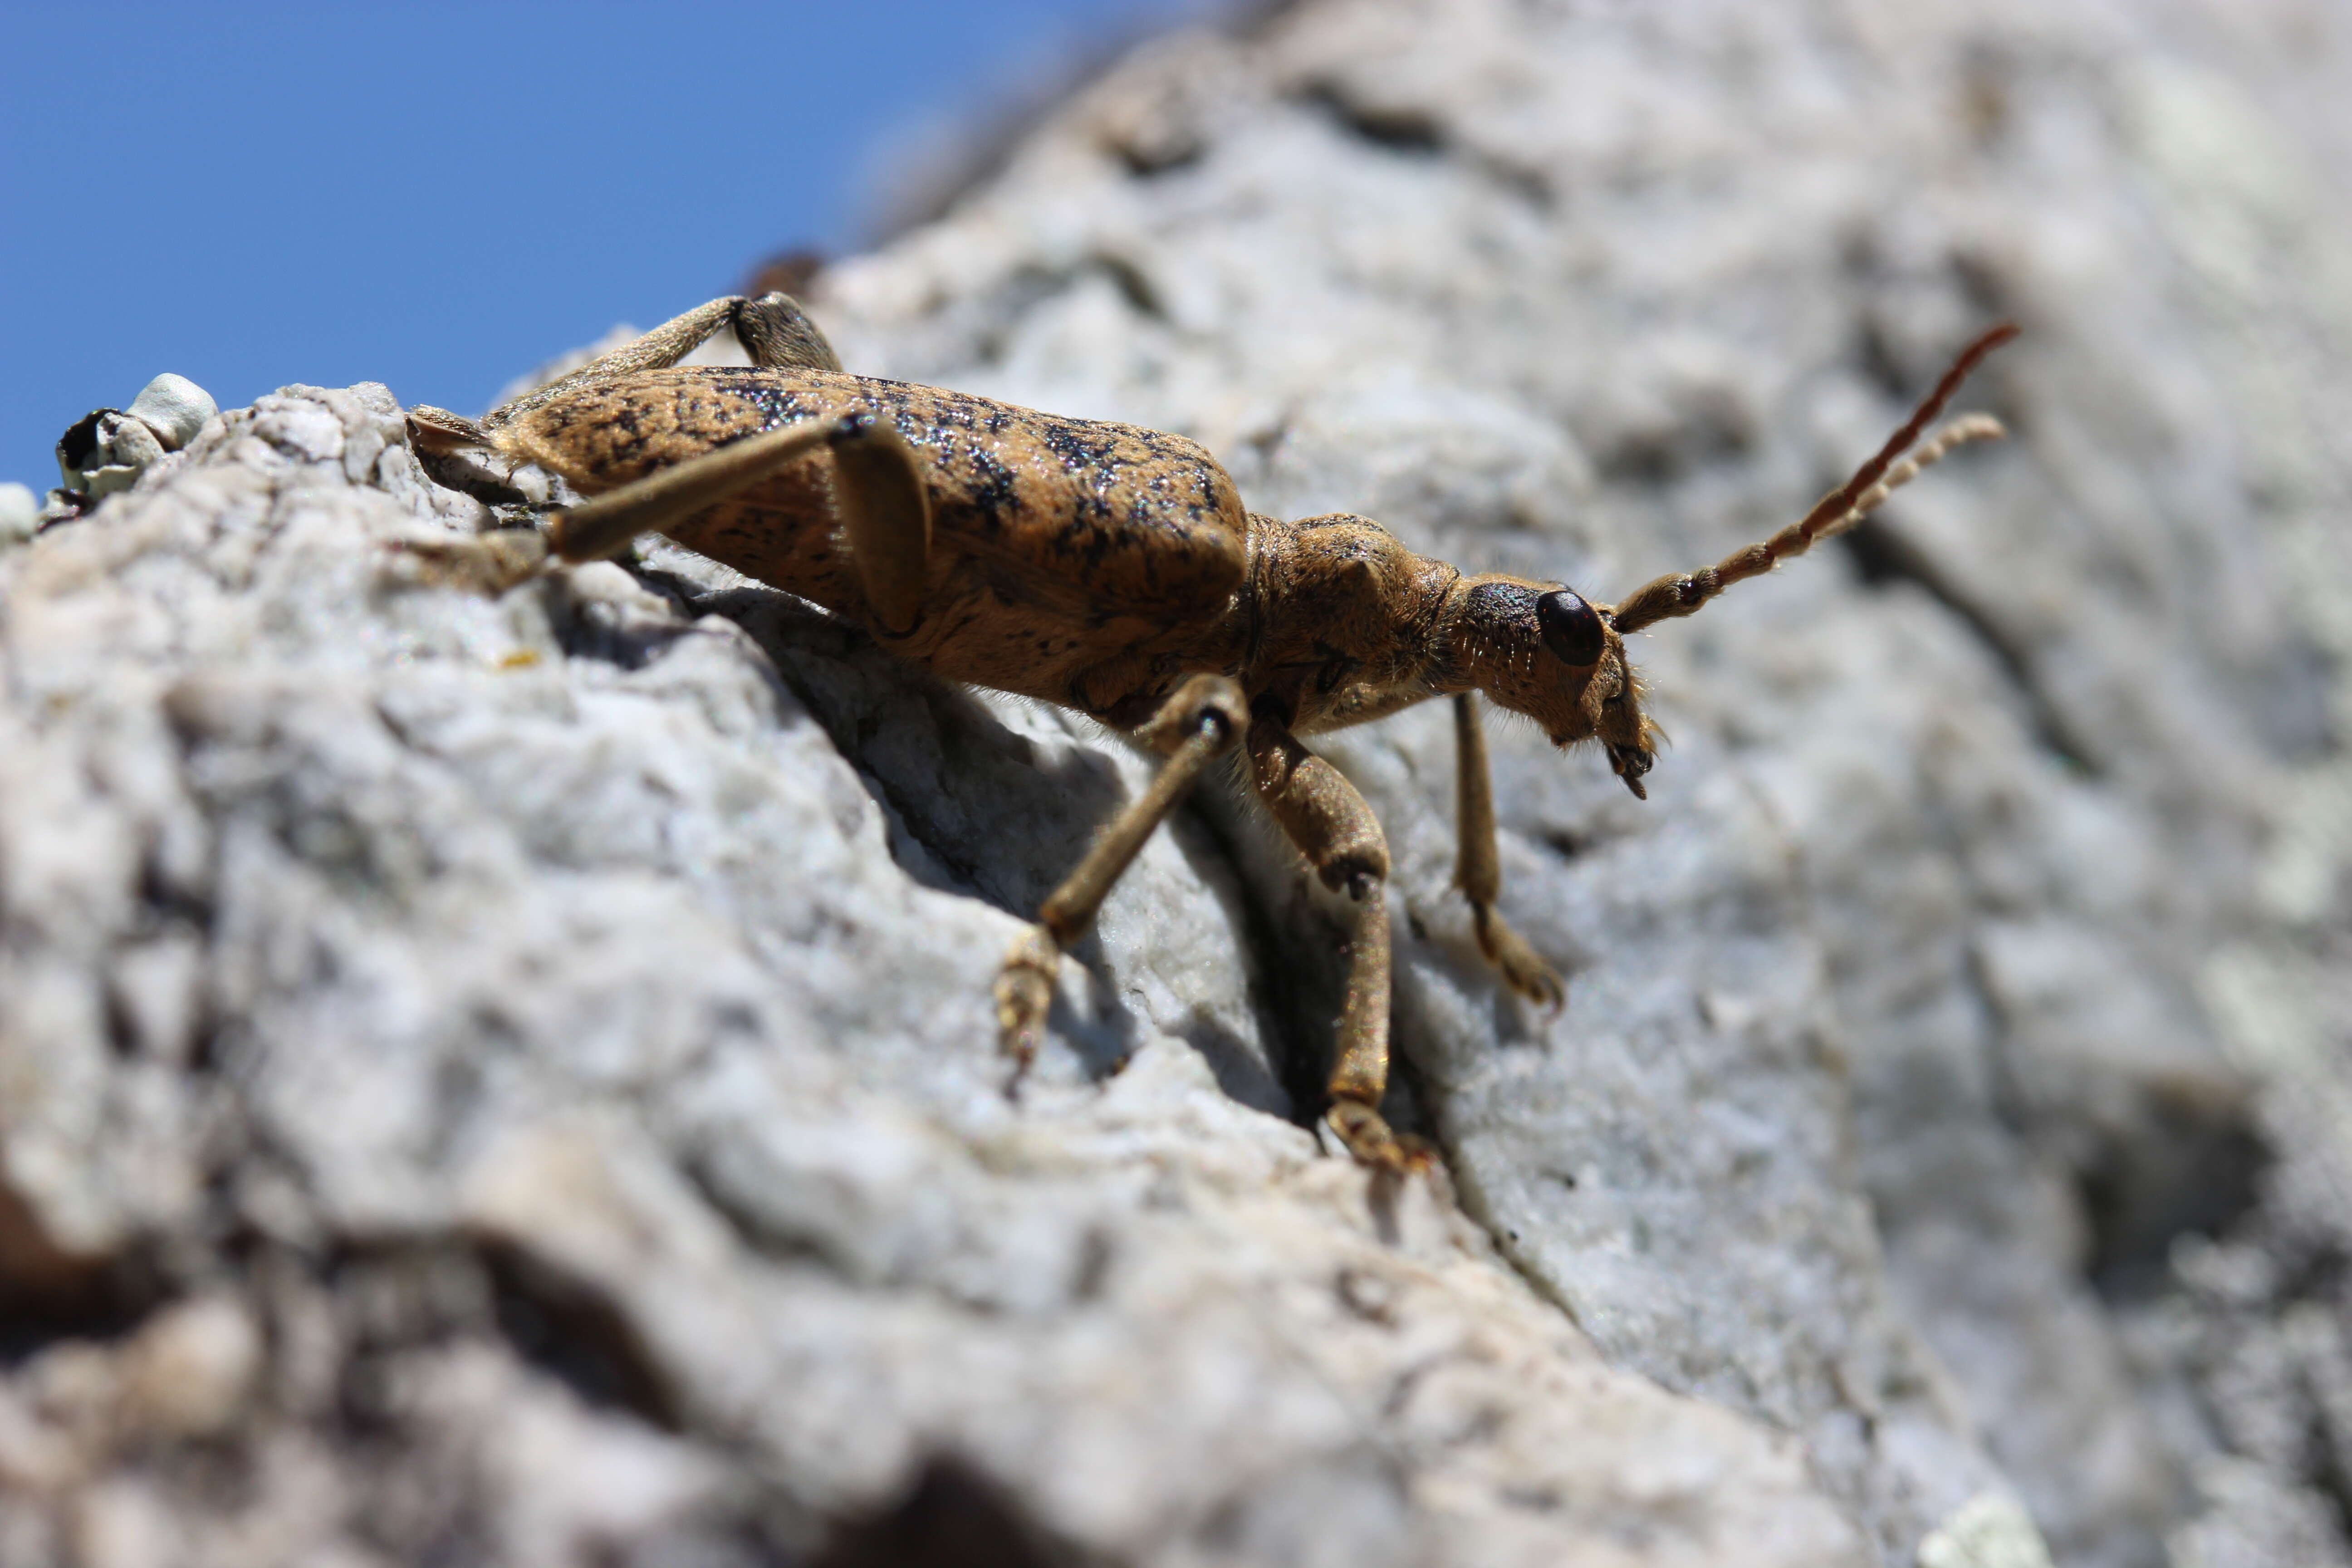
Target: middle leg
x,y
1333,826
1195,725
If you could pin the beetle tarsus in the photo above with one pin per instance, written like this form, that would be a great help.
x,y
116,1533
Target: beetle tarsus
x,y
1025,993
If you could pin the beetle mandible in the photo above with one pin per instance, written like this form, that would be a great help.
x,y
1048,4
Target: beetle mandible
x,y
1113,569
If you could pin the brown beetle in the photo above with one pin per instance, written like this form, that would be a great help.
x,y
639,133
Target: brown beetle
x,y
1113,569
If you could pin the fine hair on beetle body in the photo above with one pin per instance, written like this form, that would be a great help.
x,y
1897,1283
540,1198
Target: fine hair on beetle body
x,y
1114,569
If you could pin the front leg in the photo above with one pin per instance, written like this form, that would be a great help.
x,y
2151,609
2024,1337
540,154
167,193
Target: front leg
x,y
1336,830
1477,869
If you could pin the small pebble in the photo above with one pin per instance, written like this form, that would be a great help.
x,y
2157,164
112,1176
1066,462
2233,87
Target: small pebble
x,y
174,407
20,513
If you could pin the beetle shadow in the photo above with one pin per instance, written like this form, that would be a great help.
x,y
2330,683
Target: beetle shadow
x,y
1103,1035
1440,975
975,809
969,806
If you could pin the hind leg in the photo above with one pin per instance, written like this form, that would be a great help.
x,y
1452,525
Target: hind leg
x,y
885,509
773,330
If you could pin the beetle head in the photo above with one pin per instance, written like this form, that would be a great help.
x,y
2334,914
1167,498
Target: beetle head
x,y
1543,650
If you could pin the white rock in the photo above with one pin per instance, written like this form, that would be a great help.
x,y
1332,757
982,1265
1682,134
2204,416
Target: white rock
x,y
588,1042
1989,1531
188,1372
20,513
175,408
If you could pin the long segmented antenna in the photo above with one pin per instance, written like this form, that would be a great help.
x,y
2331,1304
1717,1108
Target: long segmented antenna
x,y
1680,593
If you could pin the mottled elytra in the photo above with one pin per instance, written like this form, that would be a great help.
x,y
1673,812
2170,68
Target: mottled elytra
x,y
1114,569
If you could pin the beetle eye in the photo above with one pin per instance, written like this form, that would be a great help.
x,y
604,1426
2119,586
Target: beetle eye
x,y
1571,628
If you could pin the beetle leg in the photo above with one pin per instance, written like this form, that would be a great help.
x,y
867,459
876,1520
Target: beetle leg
x,y
603,525
439,430
1336,830
658,350
1200,723
885,508
773,330
886,513
778,336
1477,870
436,431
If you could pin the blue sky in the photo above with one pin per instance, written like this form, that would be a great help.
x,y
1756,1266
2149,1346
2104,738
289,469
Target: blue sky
x,y
438,196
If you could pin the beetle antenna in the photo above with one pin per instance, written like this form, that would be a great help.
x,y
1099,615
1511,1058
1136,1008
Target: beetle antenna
x,y
1679,593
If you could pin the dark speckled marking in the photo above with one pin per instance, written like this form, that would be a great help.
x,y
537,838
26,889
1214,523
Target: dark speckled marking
x,y
1087,563
1058,544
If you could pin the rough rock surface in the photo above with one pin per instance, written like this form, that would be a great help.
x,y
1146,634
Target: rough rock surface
x,y
508,1079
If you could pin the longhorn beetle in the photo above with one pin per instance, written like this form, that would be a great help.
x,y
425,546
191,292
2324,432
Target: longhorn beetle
x,y
1113,569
